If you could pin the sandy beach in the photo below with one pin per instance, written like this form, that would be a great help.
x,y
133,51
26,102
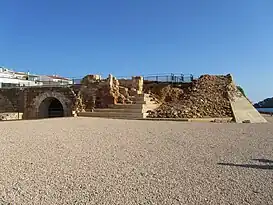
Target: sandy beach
x,y
104,161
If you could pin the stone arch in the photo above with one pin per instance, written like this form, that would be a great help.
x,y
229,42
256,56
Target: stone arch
x,y
51,107
5,104
42,102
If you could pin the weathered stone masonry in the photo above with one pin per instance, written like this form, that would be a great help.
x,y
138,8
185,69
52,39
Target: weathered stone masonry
x,y
28,100
93,92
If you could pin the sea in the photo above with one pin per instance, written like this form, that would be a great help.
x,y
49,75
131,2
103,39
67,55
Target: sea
x,y
265,110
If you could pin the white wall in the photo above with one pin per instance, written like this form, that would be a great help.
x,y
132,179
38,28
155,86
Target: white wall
x,y
48,80
10,77
18,81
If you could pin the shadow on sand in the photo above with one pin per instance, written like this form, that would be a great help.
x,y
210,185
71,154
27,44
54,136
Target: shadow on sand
x,y
268,164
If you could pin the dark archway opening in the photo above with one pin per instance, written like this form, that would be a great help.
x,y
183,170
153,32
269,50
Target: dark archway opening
x,y
51,107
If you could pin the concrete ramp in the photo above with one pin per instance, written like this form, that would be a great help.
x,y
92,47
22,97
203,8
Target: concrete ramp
x,y
243,110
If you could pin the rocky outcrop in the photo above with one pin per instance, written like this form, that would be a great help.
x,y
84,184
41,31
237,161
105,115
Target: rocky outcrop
x,y
266,103
205,97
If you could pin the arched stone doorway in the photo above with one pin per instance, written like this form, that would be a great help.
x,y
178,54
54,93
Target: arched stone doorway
x,y
50,104
51,107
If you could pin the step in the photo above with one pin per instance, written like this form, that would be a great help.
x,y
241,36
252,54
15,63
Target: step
x,y
133,110
139,102
140,97
144,102
113,115
126,106
134,106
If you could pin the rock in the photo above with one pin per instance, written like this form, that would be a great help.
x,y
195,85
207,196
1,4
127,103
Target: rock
x,y
124,91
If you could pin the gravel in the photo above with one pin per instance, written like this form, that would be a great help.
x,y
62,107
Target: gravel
x,y
103,161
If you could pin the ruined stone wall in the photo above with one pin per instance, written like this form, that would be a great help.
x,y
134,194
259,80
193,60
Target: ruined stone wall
x,y
159,88
136,84
100,93
95,92
127,83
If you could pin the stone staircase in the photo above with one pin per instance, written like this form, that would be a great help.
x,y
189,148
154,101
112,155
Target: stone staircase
x,y
137,110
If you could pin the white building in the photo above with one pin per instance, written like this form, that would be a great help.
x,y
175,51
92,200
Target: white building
x,y
10,78
54,80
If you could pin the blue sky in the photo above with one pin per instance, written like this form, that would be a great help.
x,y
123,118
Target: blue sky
x,y
129,37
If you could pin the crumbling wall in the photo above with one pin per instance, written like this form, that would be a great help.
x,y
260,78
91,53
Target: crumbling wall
x,y
138,83
127,83
205,97
134,85
95,92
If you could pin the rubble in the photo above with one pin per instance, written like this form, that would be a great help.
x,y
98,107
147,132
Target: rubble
x,y
206,97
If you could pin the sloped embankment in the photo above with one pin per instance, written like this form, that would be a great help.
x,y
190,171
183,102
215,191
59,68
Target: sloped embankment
x,y
206,97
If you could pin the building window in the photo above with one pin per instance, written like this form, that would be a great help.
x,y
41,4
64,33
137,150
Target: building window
x,y
9,85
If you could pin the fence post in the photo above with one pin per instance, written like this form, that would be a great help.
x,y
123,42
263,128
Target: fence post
x,y
191,77
172,78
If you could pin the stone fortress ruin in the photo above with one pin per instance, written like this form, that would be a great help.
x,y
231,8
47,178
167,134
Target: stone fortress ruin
x,y
208,97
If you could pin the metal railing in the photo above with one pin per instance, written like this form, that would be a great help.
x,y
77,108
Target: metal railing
x,y
170,78
36,84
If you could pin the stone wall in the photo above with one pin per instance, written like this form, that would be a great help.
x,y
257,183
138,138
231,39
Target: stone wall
x,y
93,92
35,96
206,97
28,100
136,84
11,100
128,83
96,92
100,93
11,116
